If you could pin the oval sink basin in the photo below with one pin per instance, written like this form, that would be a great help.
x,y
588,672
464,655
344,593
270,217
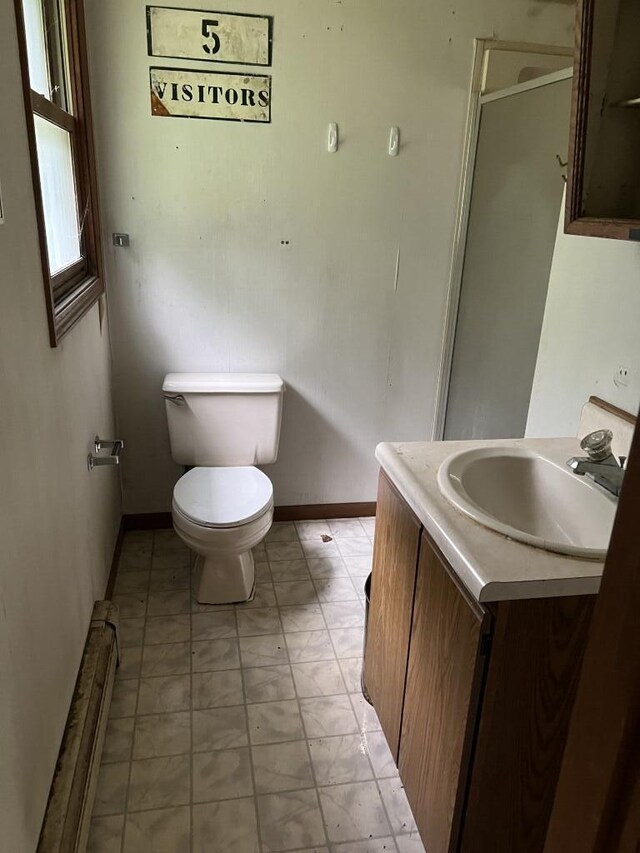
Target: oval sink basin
x,y
531,499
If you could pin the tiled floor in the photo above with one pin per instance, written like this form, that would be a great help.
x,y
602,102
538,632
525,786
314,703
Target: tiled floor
x,y
242,729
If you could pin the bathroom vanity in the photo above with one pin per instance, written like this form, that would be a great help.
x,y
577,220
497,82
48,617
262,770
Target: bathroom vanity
x,y
473,654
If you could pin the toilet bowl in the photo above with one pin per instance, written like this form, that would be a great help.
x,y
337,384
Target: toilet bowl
x,y
221,426
221,514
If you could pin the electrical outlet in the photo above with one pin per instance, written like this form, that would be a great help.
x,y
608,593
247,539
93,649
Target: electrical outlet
x,y
621,376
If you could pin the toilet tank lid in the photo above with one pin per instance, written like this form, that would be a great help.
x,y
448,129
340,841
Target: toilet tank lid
x,y
223,383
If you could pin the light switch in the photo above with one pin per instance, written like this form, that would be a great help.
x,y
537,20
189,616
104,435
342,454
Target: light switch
x,y
121,240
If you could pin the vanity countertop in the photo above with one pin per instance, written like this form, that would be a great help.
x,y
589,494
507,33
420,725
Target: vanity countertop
x,y
490,566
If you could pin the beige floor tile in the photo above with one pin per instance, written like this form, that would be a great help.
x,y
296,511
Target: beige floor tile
x,y
111,790
352,673
302,617
222,775
164,694
366,716
166,659
371,845
318,678
219,728
410,843
274,722
282,767
167,629
266,650
258,620
397,805
118,740
345,528
232,824
131,606
278,551
335,589
295,592
312,529
105,834
328,715
282,531
209,655
129,583
306,646
157,735
213,626
158,783
327,567
290,570
264,597
169,602
347,642
124,698
379,754
343,614
339,759
158,831
294,656
131,631
290,821
268,683
217,689
130,662
353,812
170,578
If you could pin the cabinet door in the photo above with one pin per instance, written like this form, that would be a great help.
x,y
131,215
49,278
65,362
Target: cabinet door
x,y
443,685
395,562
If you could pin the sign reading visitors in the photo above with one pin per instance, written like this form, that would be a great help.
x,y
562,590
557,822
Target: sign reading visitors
x,y
213,36
176,92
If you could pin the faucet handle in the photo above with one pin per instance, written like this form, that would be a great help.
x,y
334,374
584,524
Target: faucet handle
x,y
598,444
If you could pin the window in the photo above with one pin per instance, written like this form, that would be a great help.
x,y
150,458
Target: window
x,y
54,71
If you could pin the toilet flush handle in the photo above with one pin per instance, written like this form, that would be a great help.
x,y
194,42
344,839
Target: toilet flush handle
x,y
177,399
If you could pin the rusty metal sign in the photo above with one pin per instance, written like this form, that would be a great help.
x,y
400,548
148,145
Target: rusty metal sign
x,y
178,92
214,36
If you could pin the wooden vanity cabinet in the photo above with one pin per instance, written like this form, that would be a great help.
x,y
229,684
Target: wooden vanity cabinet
x,y
603,191
445,674
395,561
474,700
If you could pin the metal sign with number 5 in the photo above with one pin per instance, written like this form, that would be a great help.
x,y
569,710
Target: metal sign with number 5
x,y
228,37
209,32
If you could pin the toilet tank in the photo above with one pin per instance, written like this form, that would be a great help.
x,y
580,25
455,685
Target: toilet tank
x,y
223,419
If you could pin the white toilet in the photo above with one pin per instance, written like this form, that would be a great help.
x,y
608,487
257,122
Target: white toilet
x,y
223,424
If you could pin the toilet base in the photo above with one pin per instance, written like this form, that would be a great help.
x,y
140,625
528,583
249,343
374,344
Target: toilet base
x,y
226,579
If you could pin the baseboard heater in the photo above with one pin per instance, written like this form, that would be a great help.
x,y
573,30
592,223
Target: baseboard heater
x,y
66,822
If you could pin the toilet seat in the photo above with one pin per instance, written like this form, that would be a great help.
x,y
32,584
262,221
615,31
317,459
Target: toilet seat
x,y
223,497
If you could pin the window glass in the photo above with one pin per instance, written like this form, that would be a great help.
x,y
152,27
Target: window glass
x,y
36,47
58,194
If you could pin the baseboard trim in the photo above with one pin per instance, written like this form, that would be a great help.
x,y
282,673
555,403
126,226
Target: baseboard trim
x,y
147,521
68,814
311,512
304,512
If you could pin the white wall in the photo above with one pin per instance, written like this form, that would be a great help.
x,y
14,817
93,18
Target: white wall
x,y
57,522
206,284
591,326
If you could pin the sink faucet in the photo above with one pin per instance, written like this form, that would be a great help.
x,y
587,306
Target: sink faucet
x,y
599,463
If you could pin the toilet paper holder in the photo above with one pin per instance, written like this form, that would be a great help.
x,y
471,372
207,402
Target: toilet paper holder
x,y
115,448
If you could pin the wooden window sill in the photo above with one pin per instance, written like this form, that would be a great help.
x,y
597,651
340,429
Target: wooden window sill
x,y
73,307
